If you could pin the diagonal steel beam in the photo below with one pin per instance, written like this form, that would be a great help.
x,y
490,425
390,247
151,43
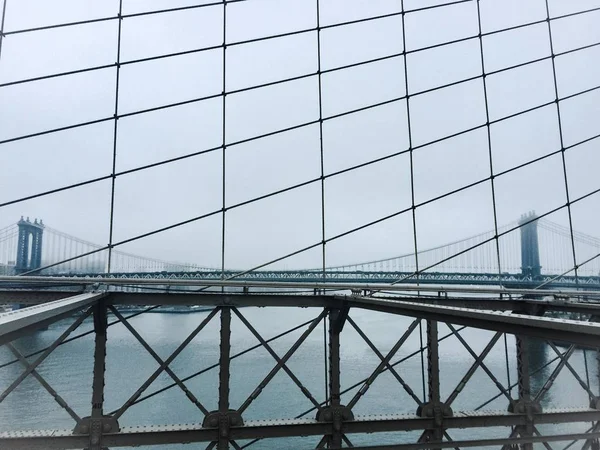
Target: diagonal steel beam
x,y
322,442
31,366
510,387
572,443
394,364
545,444
513,434
382,365
478,361
162,367
214,366
159,360
252,442
482,364
588,443
552,378
325,438
78,336
449,439
582,383
45,384
388,366
347,441
281,362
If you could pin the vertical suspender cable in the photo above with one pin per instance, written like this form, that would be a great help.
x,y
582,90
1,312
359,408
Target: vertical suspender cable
x,y
491,162
410,143
115,137
2,21
224,137
323,255
562,143
412,179
489,138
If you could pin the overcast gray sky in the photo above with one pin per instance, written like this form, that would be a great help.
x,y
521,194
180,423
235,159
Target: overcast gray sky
x,y
268,229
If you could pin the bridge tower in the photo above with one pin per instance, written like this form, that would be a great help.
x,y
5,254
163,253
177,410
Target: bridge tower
x,y
29,246
530,250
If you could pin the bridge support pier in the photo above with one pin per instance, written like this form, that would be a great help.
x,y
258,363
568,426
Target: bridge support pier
x,y
335,412
29,245
530,249
97,423
224,418
434,408
524,404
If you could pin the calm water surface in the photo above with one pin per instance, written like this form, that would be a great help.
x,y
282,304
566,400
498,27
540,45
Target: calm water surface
x,y
69,371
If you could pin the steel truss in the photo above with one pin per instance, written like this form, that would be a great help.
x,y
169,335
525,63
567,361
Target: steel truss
x,y
516,280
329,419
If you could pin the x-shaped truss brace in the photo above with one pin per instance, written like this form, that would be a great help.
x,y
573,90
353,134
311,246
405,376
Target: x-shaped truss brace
x,y
476,364
384,364
30,368
479,362
164,365
281,362
158,359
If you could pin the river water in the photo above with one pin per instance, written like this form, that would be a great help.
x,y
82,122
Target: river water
x,y
69,372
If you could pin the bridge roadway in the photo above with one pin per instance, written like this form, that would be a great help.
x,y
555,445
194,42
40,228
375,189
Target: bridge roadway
x,y
313,276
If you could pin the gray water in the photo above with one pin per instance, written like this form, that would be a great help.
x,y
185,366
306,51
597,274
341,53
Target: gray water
x,y
69,371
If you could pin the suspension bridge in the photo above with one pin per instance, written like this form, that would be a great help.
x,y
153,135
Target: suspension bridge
x,y
264,136
535,252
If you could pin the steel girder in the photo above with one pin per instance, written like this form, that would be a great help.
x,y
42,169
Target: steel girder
x,y
188,284
170,434
22,321
586,334
33,297
29,297
309,276
334,421
573,331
